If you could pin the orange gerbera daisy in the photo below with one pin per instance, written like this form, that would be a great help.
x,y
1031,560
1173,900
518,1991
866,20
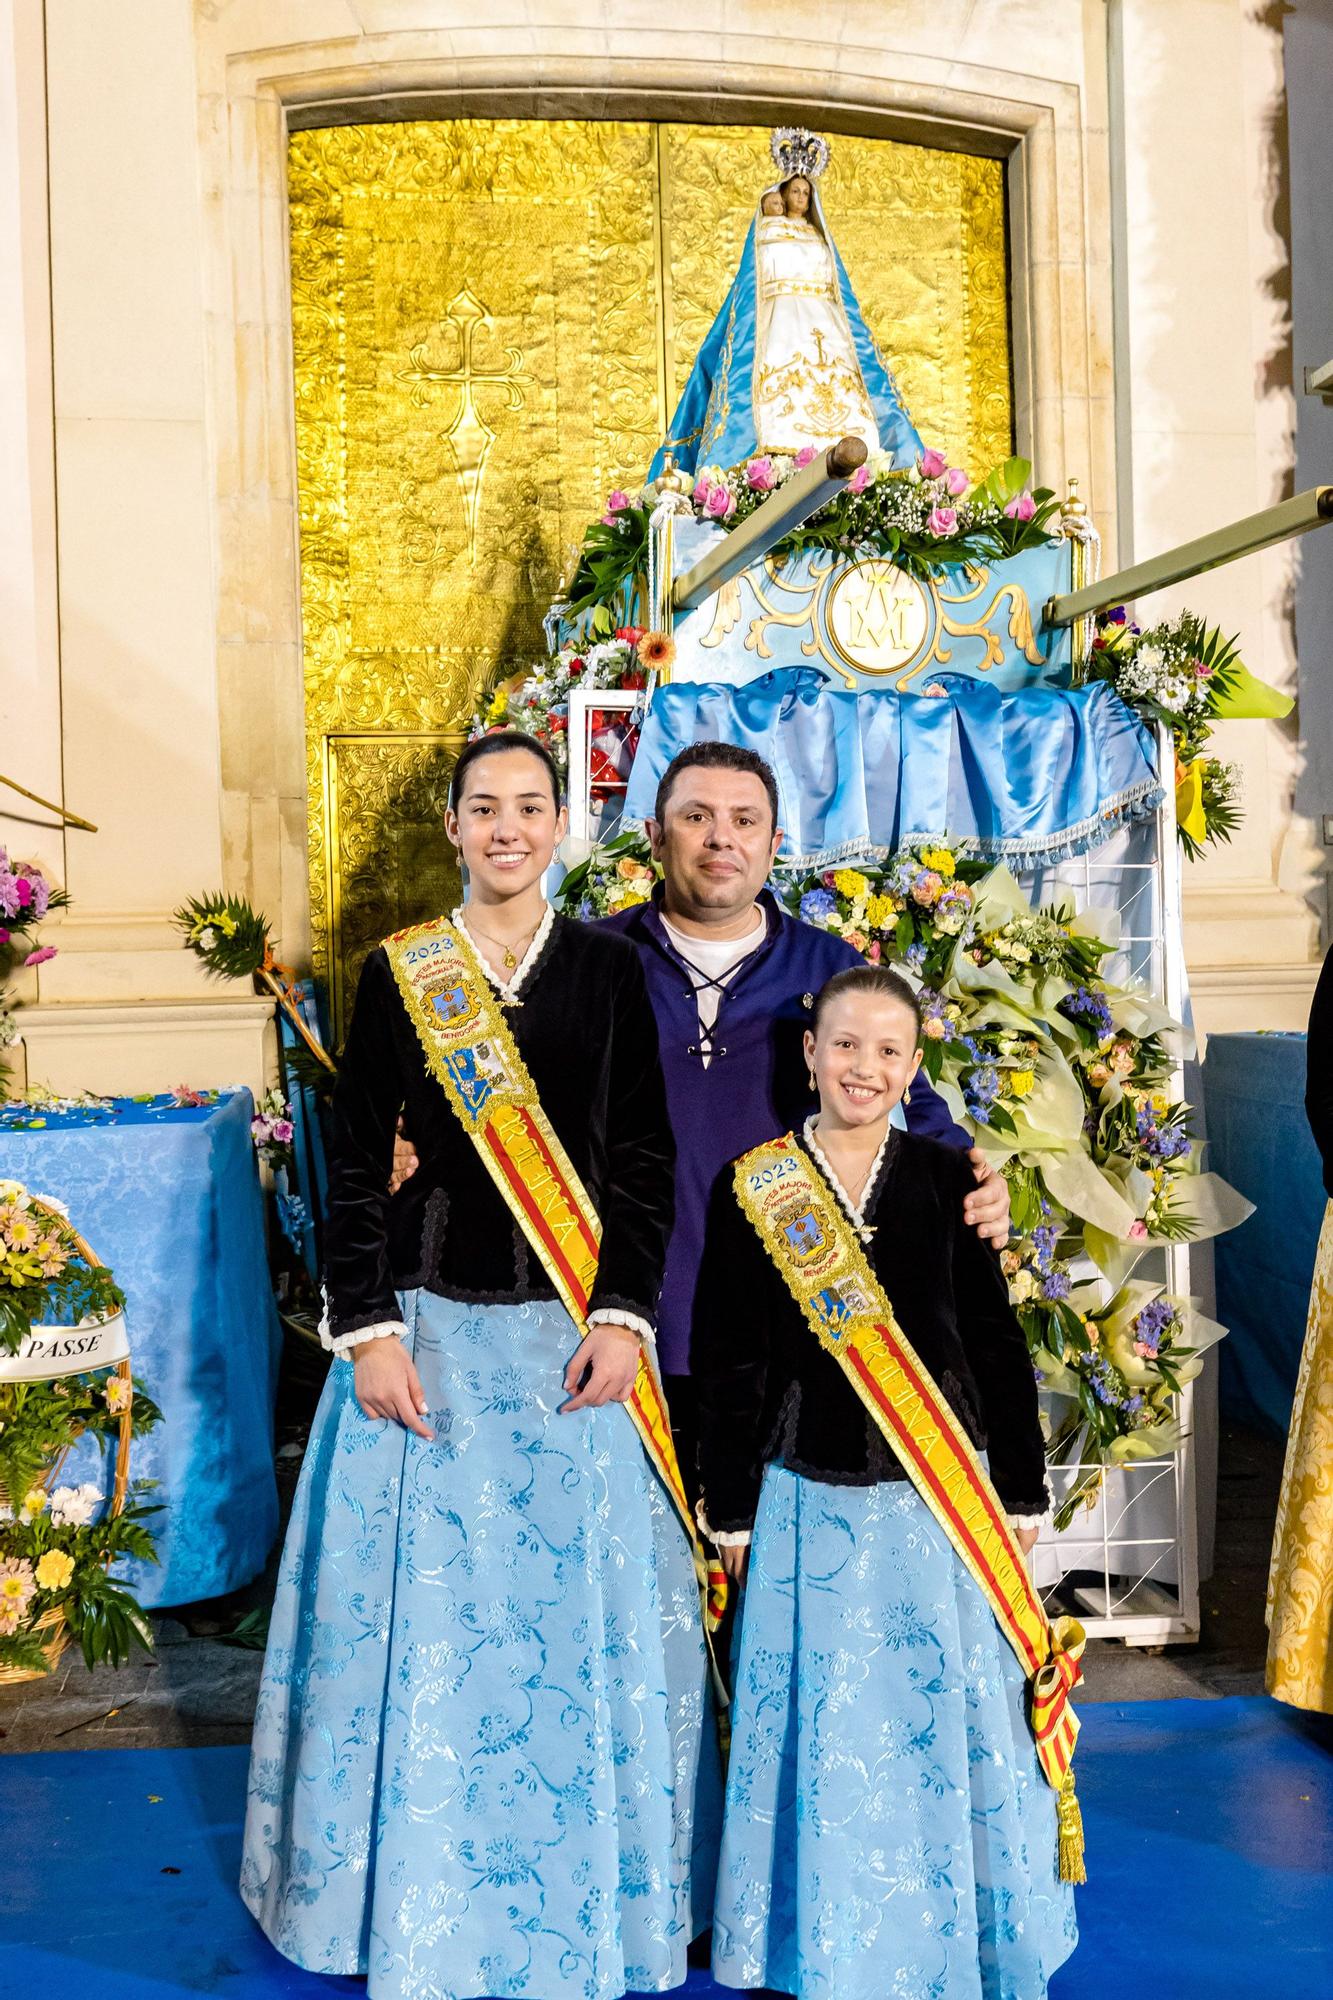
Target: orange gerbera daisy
x,y
656,650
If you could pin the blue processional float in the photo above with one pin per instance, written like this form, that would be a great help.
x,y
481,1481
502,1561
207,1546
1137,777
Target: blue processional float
x,y
986,773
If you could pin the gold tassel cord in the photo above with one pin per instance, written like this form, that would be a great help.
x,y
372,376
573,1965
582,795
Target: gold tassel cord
x,y
1069,1819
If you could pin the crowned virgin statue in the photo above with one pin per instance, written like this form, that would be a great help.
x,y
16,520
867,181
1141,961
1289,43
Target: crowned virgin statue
x,y
789,362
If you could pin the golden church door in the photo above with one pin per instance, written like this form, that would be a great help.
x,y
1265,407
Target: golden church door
x,y
492,320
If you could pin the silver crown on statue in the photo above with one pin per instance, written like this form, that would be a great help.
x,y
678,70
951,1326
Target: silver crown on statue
x,y
797,151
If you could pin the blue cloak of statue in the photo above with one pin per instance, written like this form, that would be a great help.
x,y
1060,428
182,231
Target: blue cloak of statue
x,y
714,422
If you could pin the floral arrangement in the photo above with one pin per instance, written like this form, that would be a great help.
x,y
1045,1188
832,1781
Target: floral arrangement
x,y
614,877
272,1130
538,701
57,1546
1183,673
45,1274
25,898
232,939
925,517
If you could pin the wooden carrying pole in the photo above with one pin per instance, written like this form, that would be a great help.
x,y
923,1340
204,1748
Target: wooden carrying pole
x,y
784,510
1297,516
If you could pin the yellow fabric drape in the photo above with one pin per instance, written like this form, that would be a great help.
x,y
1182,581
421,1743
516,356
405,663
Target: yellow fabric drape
x,y
1300,1583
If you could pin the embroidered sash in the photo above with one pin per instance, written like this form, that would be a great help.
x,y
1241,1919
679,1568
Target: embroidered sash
x,y
473,1056
812,1243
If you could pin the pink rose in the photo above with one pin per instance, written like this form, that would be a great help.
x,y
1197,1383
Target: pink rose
x,y
24,889
40,956
760,476
956,481
1021,508
941,521
701,491
804,456
283,1130
860,479
617,501
1138,1232
933,464
719,504
1202,671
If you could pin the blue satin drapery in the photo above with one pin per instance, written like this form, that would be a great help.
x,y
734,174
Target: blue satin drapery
x,y
1033,775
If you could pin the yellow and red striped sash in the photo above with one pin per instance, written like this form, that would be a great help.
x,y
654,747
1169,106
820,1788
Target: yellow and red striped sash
x,y
811,1241
473,1056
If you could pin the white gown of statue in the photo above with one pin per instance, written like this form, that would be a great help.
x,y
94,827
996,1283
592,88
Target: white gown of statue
x,y
808,388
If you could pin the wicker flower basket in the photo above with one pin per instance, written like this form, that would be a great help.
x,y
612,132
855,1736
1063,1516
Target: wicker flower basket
x,y
52,1624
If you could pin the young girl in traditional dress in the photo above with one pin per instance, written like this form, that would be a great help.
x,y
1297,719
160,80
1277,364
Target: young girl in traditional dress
x,y
483,1759
888,1831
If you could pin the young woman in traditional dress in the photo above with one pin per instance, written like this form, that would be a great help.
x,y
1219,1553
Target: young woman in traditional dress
x,y
888,1829
483,1760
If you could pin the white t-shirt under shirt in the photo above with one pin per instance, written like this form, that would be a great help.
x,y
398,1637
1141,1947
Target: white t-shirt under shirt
x,y
711,961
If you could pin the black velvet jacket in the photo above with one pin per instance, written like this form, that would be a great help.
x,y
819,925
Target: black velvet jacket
x,y
770,1394
587,1034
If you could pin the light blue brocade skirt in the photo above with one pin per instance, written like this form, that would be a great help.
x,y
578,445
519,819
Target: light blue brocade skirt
x,y
484,1759
888,1831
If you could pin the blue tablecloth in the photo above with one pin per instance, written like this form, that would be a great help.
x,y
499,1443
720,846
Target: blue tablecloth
x,y
170,1199
1254,1090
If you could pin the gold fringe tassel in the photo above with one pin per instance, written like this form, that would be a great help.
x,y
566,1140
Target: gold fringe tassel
x,y
1069,1819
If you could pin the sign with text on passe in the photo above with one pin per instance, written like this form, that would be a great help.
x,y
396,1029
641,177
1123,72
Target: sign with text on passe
x,y
49,1352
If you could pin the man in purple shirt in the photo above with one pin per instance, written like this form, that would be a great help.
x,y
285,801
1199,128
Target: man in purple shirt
x,y
732,977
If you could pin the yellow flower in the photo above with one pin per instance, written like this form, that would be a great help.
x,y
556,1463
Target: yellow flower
x,y
849,882
499,705
1021,1082
880,912
940,859
226,924
628,899
34,1502
55,1569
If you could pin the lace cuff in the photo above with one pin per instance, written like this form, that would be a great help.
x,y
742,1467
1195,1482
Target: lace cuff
x,y
343,1343
612,1316
1028,1520
722,1538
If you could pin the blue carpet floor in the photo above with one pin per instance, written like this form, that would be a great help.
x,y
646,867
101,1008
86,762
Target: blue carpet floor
x,y
1210,1838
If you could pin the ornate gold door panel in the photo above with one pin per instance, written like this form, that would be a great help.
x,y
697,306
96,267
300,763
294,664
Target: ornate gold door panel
x,y
491,321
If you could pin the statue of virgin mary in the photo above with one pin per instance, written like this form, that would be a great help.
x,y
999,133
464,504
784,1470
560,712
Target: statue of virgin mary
x,y
789,361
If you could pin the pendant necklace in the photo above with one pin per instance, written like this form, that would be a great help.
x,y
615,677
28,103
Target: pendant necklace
x,y
511,956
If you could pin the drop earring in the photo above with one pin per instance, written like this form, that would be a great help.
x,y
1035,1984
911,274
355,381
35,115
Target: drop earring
x,y
907,1097
813,1084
